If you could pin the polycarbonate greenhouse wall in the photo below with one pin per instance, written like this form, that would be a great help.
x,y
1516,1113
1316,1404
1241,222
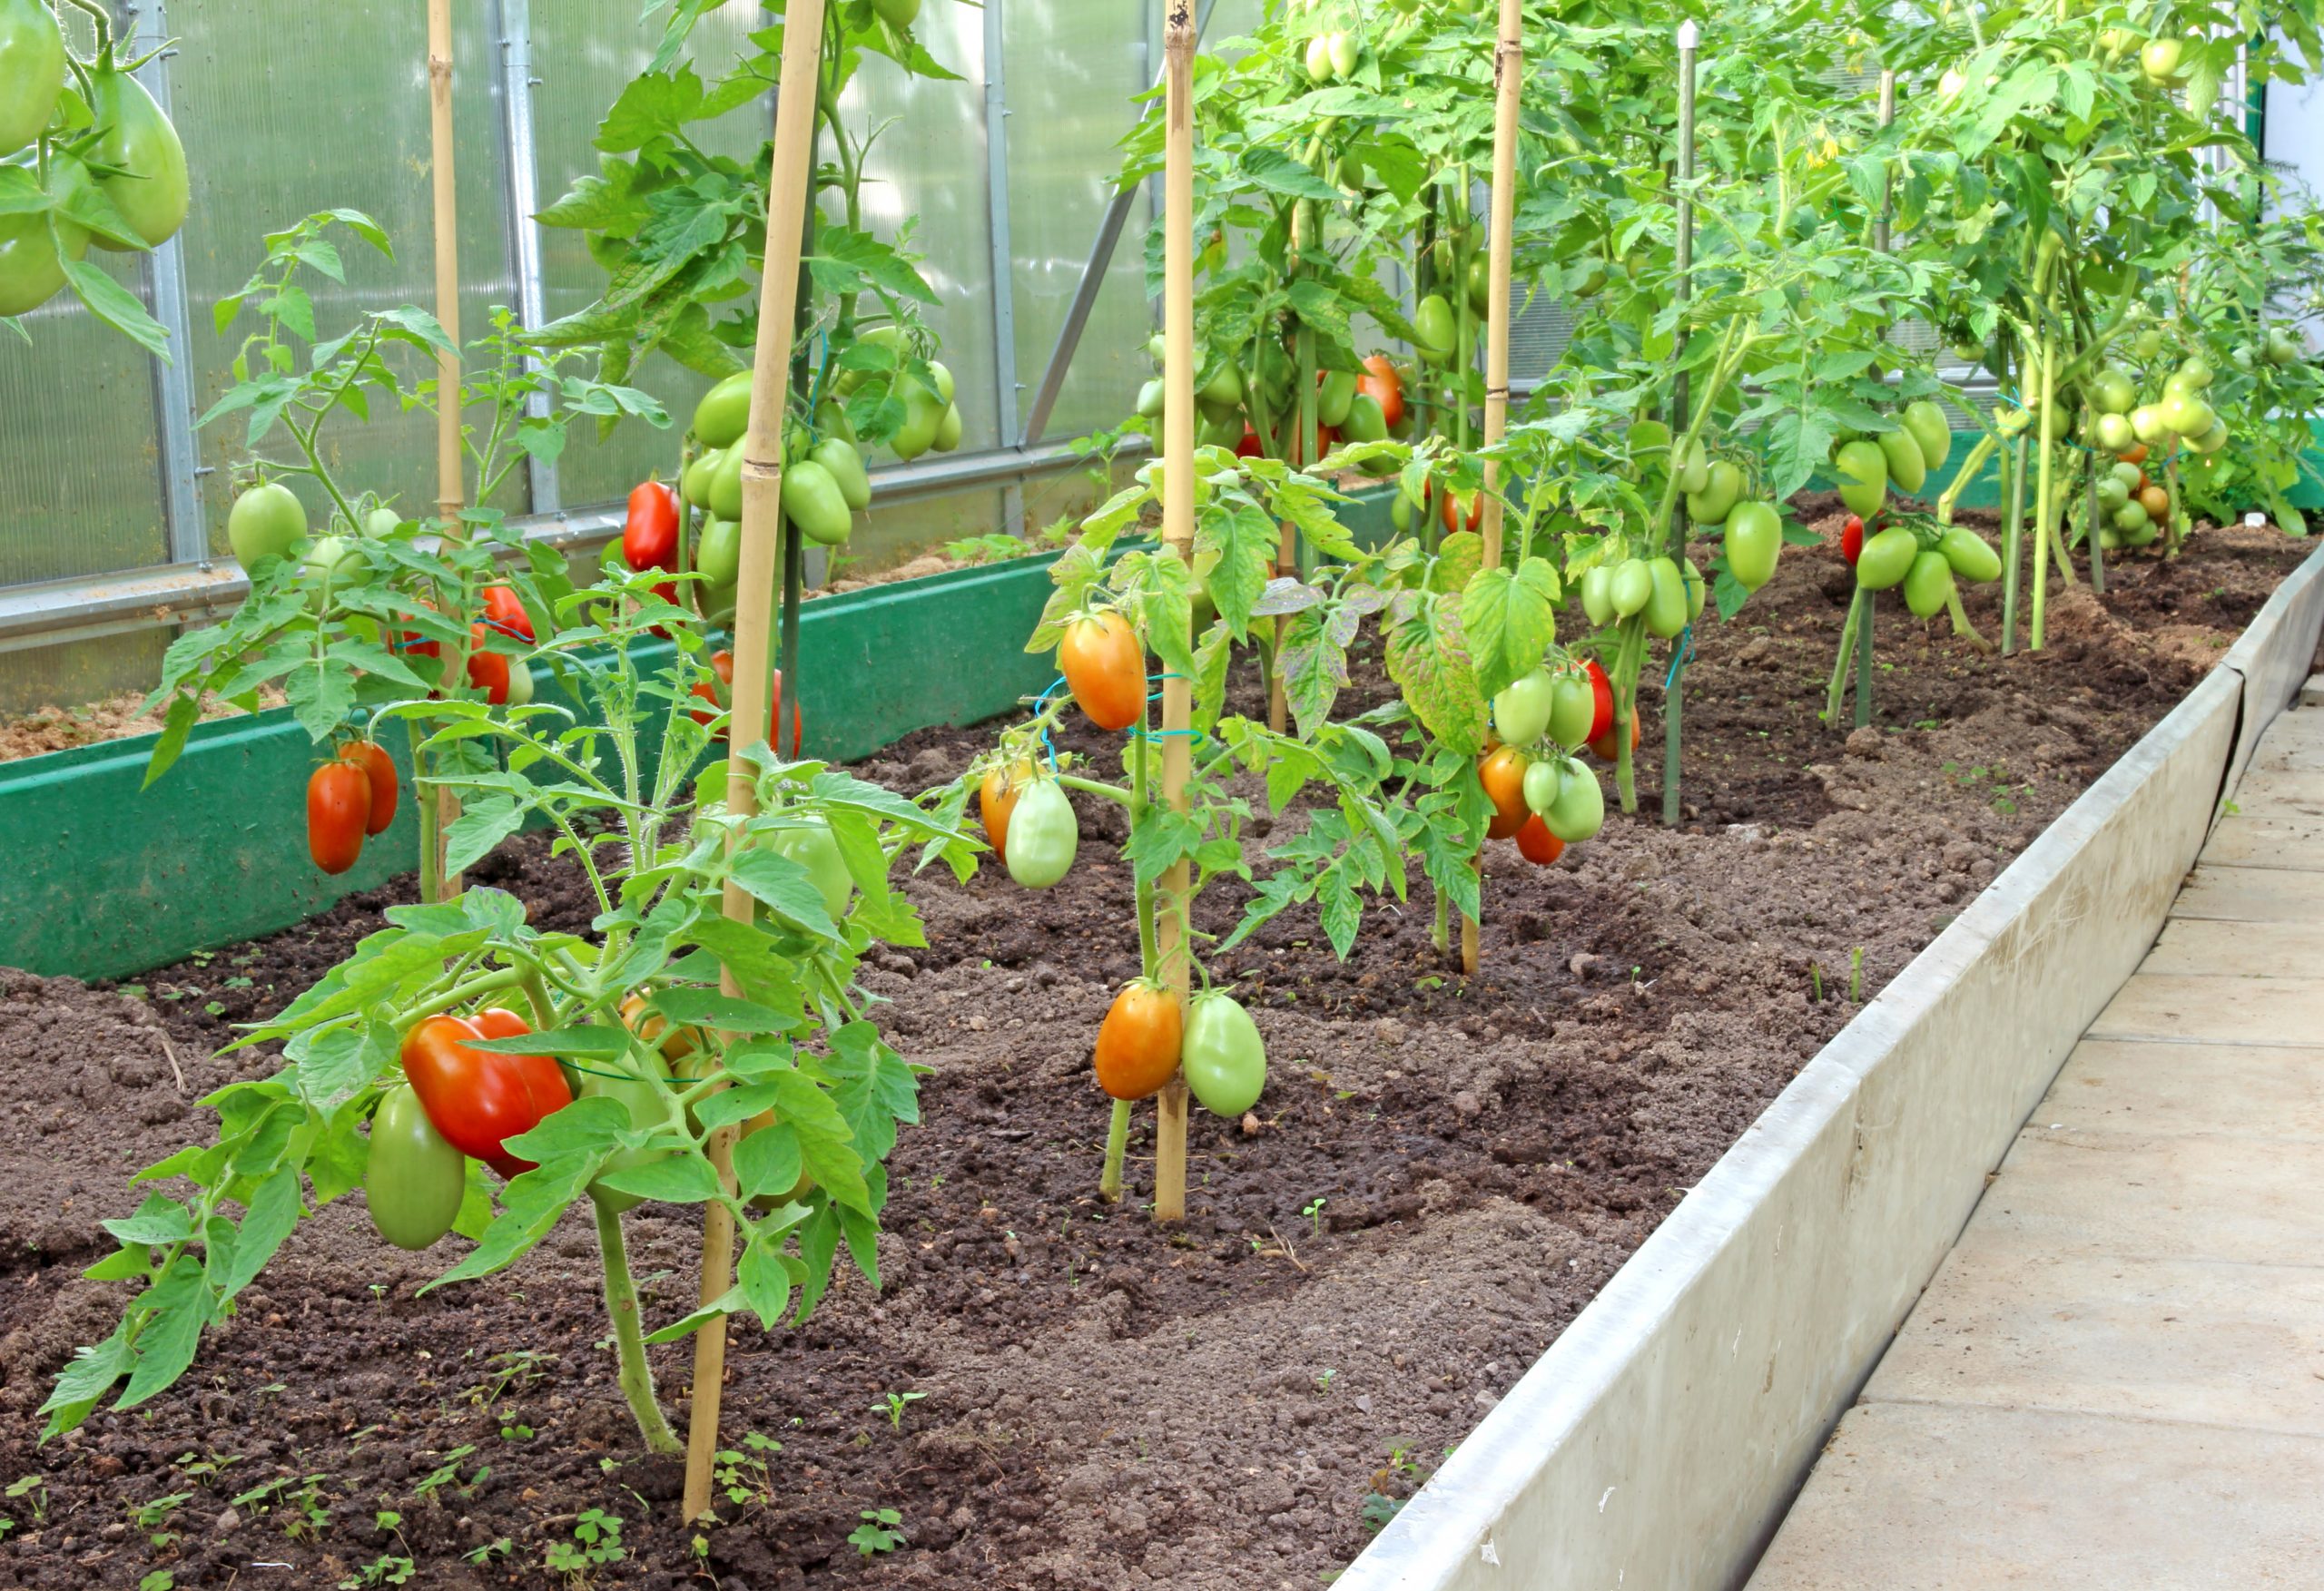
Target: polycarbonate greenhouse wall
x,y
288,109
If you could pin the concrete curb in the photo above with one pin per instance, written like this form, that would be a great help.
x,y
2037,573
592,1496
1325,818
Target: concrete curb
x,y
1659,1441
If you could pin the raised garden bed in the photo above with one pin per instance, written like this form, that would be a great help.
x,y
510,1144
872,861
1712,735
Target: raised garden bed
x,y
1234,1405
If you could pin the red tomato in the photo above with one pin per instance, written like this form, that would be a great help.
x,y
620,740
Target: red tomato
x,y
1852,539
1327,438
1138,1042
478,1101
505,613
1502,770
1105,668
488,671
1449,507
380,769
1385,387
722,698
1603,688
649,539
1537,845
338,810
1249,447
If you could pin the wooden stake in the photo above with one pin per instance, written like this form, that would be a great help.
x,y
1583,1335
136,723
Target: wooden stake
x,y
1178,535
786,211
1509,79
450,488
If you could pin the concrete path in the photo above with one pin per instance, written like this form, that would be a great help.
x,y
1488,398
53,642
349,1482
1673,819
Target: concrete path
x,y
2116,1379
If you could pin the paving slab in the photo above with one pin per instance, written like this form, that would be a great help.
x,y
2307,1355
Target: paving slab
x,y
2252,895
2278,794
2293,839
1920,1498
2008,1326
2246,1090
2242,1199
2208,947
2215,1009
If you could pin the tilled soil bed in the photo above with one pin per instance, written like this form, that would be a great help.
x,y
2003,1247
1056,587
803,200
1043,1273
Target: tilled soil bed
x,y
1442,1172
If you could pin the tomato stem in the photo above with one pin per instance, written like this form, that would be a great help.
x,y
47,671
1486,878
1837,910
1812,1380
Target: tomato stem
x,y
629,1341
1112,792
1109,1182
460,994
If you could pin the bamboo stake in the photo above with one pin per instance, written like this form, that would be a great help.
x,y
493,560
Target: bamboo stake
x,y
1880,241
1178,536
437,817
1674,693
1508,78
786,211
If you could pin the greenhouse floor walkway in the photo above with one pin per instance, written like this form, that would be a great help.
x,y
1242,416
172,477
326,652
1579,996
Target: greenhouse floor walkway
x,y
2116,1379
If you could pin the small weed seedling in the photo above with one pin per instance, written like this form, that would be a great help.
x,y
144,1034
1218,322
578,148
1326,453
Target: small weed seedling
x,y
596,1542
878,1533
484,1555
743,1476
448,1474
893,1404
158,1580
35,1487
1314,1214
154,1517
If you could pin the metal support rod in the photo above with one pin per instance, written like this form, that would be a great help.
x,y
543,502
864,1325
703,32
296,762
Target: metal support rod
x,y
1681,397
519,145
1085,295
145,28
1004,254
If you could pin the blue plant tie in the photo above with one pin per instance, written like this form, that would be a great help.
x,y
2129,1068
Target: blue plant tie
x,y
1678,658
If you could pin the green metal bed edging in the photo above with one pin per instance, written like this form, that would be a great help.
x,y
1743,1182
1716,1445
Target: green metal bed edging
x,y
109,880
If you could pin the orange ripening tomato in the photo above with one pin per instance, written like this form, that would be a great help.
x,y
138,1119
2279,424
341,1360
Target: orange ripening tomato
x,y
1140,1041
478,1100
338,809
380,769
996,798
1503,773
1537,845
675,1043
506,614
2136,455
1105,668
1381,382
1603,746
2156,500
1450,506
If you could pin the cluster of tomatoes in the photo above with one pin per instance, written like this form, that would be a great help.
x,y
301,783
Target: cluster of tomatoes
x,y
1917,553
1365,404
456,1102
350,799
1543,797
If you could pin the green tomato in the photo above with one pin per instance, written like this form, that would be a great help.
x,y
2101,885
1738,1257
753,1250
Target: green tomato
x,y
725,412
152,192
724,498
1722,487
694,482
1924,421
520,682
2195,371
1862,470
1043,835
2113,393
1697,593
382,522
1544,779
2148,343
1969,555
946,388
1319,58
413,1180
897,13
32,269
949,429
2128,475
265,522
332,564
1336,400
1438,331
1224,389
647,1099
2111,492
1754,542
1151,399
1927,584
1520,714
1597,595
2131,515
1479,282
1574,711
2147,425
924,418
718,554
1366,422
814,502
1907,464
2211,440
808,843
1632,587
839,456
32,71
1694,473
2159,59
1887,559
1345,53
1580,811
1666,607
1224,1058
2114,433
2187,414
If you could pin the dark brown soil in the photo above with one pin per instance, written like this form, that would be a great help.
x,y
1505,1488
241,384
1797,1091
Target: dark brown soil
x,y
1445,1173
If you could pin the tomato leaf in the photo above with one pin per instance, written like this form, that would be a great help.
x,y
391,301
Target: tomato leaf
x,y
783,886
873,1087
118,307
675,1179
479,829
1247,543
1510,621
1428,657
770,1161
